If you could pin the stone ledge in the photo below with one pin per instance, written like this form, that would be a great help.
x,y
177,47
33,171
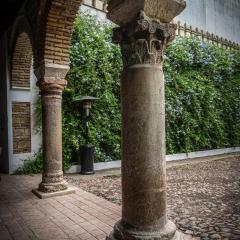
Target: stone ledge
x,y
215,153
43,195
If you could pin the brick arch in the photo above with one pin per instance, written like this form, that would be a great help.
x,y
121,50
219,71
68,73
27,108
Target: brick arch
x,y
59,26
35,13
21,62
20,25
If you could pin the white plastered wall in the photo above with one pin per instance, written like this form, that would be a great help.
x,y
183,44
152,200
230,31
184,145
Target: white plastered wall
x,y
23,95
219,17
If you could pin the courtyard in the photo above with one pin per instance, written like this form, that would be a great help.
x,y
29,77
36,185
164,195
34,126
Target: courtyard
x,y
87,82
203,201
203,196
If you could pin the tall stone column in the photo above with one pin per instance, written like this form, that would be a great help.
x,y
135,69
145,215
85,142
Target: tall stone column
x,y
143,40
51,84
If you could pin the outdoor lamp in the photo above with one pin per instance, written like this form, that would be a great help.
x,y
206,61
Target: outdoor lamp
x,y
87,104
86,150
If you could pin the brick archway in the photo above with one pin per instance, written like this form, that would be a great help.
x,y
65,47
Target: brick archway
x,y
59,27
21,62
21,50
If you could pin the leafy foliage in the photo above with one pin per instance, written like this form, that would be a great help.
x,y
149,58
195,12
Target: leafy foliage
x,y
33,165
202,94
95,69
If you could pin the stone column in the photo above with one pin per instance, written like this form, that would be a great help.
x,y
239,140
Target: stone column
x,y
51,84
143,40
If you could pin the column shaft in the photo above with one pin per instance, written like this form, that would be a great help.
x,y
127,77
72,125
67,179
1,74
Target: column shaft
x,y
51,83
52,179
144,200
143,146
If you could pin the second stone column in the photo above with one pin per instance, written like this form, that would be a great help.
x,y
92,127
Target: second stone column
x,y
51,83
144,200
52,179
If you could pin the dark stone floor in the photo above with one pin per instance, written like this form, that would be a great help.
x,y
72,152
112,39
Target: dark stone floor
x,y
203,196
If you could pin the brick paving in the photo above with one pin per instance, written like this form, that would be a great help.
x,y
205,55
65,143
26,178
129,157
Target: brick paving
x,y
203,201
77,216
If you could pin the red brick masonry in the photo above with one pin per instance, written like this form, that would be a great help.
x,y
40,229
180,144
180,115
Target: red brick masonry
x,y
78,216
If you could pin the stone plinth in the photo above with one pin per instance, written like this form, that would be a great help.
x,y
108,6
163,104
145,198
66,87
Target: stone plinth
x,y
123,11
45,195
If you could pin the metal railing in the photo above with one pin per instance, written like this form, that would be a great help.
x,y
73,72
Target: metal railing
x,y
182,29
98,4
188,30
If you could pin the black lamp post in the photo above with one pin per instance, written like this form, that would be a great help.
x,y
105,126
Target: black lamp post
x,y
86,150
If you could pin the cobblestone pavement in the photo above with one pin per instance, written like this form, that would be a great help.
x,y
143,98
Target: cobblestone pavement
x,y
23,216
203,198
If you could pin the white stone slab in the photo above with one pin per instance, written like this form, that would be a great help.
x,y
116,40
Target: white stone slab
x,y
169,158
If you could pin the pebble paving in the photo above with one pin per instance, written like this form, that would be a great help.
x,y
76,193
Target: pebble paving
x,y
203,198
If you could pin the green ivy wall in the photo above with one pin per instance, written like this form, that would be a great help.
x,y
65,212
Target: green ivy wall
x,y
202,95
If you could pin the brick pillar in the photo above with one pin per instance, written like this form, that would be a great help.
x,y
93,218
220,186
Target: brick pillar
x,y
143,40
51,84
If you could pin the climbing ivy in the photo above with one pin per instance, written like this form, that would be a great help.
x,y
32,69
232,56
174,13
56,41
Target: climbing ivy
x,y
202,94
94,70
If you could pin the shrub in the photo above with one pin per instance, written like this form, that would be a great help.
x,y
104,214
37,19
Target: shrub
x,y
32,165
94,70
202,94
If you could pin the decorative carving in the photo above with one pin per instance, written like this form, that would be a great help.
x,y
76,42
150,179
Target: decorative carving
x,y
51,78
143,41
52,177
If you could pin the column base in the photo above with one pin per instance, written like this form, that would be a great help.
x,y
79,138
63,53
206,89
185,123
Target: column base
x,y
44,195
125,232
49,187
52,185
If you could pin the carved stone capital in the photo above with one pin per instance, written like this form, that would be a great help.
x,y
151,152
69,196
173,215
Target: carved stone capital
x,y
143,41
51,71
51,78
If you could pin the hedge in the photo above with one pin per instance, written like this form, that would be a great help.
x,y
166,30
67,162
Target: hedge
x,y
202,94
